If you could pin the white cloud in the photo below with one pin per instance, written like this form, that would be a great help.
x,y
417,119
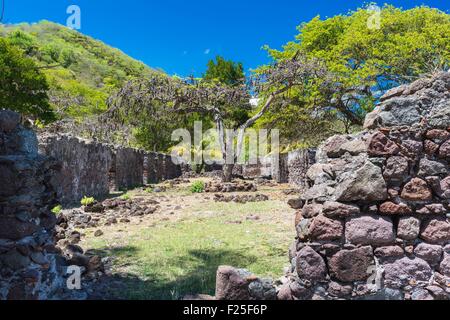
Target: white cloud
x,y
207,51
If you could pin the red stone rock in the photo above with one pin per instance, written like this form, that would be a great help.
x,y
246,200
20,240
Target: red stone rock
x,y
444,268
333,209
417,190
389,252
444,150
391,208
436,231
323,228
370,230
351,265
430,147
312,210
445,187
406,271
381,146
11,228
310,265
231,284
428,252
438,135
298,217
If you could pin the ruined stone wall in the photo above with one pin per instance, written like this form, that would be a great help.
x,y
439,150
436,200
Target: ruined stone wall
x,y
152,166
375,223
286,168
84,167
280,171
172,170
28,268
89,168
298,164
129,168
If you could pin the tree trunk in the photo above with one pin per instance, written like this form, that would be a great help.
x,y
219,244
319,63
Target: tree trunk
x,y
227,175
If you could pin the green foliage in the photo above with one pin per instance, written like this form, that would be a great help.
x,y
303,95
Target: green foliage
x,y
86,201
225,71
23,87
125,197
57,210
230,73
197,187
362,63
81,72
149,190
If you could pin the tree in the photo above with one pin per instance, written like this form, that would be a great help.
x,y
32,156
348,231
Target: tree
x,y
226,72
362,64
190,96
229,73
23,87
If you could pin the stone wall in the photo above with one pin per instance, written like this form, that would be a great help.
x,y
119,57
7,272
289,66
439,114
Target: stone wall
x,y
172,170
89,168
129,168
151,167
84,167
28,268
286,168
298,164
375,223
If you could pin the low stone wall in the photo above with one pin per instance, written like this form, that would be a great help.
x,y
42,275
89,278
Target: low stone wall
x,y
28,267
286,168
262,169
84,166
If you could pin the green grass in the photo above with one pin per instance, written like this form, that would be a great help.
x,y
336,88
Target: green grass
x,y
175,258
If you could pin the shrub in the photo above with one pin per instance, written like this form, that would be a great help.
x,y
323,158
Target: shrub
x,y
87,201
126,196
198,187
149,190
57,209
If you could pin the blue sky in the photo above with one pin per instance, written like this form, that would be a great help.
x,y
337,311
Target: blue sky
x,y
181,36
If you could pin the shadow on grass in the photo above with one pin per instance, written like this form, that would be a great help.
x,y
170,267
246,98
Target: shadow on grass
x,y
199,276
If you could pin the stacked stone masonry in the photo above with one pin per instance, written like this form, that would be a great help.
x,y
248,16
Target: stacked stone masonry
x,y
84,166
28,264
89,168
375,223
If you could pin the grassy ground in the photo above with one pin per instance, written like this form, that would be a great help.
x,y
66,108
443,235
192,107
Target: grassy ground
x,y
166,255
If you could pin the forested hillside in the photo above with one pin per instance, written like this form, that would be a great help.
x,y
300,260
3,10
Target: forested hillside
x,y
81,71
